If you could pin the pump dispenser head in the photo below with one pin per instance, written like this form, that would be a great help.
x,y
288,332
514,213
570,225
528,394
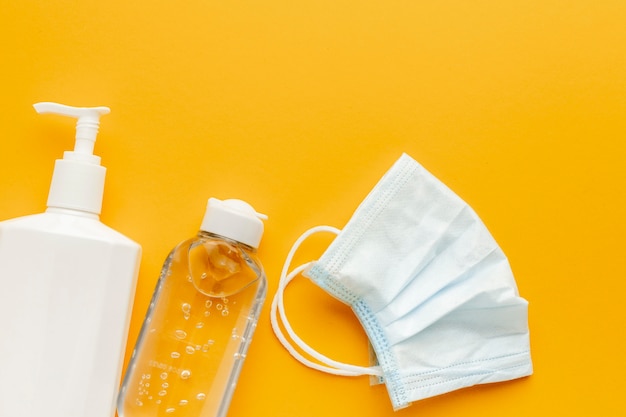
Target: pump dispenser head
x,y
78,178
234,219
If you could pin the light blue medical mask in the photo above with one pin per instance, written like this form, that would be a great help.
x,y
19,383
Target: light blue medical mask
x,y
432,289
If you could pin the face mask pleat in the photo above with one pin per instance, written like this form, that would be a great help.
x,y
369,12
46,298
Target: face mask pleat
x,y
433,294
428,273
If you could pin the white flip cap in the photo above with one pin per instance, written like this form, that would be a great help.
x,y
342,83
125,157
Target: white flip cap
x,y
234,219
78,178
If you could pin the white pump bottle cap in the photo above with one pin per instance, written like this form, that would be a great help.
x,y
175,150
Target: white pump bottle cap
x,y
78,178
234,219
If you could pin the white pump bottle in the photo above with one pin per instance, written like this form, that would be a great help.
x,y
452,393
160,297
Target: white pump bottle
x,y
67,284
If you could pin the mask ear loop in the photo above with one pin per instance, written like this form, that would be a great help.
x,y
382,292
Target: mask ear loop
x,y
330,366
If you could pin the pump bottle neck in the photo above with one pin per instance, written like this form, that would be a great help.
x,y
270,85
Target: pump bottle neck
x,y
73,212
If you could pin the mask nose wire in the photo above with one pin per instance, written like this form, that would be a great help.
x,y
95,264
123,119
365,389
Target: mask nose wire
x,y
329,365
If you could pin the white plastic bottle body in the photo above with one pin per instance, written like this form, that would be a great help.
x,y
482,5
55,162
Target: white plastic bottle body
x,y
196,332
67,285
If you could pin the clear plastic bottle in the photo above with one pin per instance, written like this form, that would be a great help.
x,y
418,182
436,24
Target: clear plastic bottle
x,y
200,321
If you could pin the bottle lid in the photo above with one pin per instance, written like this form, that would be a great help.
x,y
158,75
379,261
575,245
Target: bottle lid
x,y
78,178
234,219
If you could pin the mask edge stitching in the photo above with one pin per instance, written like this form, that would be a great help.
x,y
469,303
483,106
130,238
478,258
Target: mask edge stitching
x,y
418,385
373,205
392,377
523,354
373,330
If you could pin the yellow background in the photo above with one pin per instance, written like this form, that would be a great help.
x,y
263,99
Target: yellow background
x,y
299,107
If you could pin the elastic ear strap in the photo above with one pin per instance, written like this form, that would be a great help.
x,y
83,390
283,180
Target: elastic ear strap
x,y
332,366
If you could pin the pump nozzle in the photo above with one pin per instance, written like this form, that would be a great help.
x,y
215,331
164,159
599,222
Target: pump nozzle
x,y
86,125
78,178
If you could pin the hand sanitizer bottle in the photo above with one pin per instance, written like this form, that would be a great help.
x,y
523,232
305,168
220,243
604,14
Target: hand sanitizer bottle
x,y
200,321
67,284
